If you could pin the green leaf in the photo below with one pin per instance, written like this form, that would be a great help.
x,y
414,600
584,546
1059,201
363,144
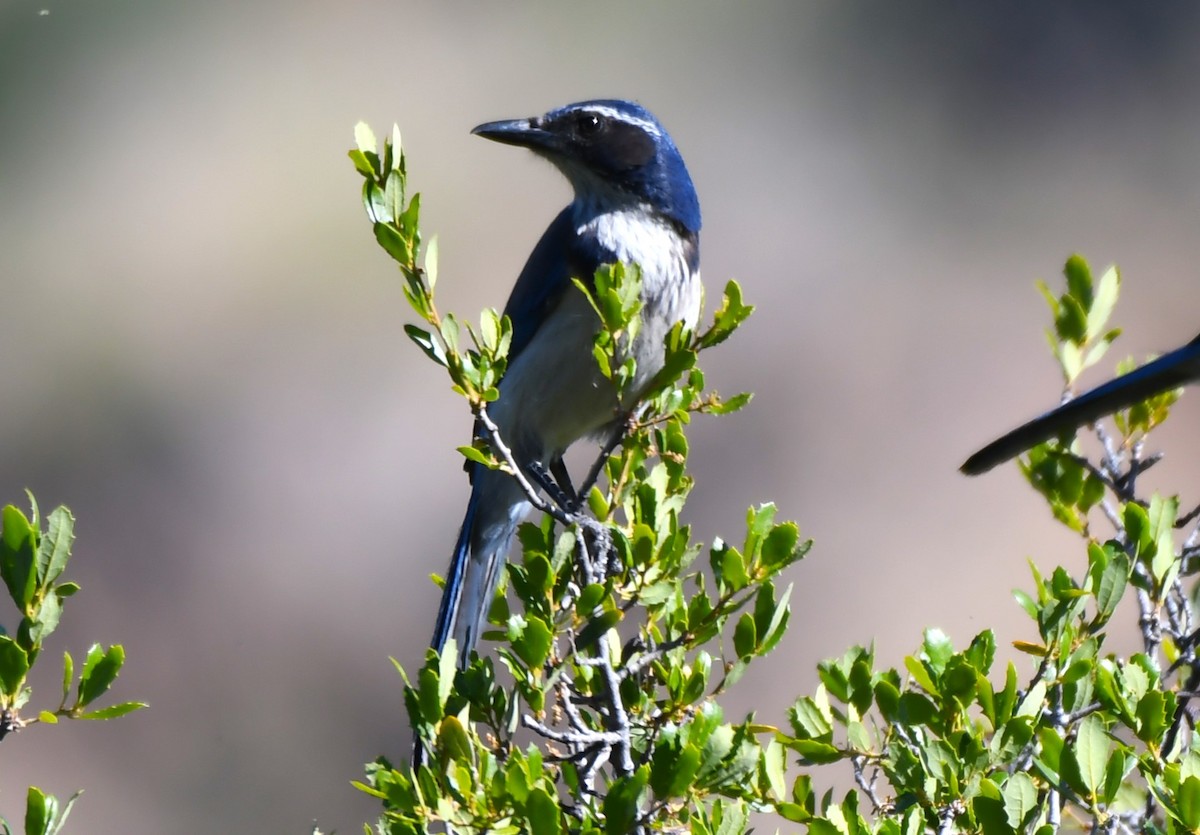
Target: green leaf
x,y
1020,799
45,621
780,544
364,138
453,740
543,813
394,244
17,546
728,317
68,676
113,711
1110,585
39,811
622,803
744,638
54,550
1162,514
1103,303
937,650
730,405
809,720
531,639
1153,714
920,674
597,626
816,752
397,149
1035,699
1079,279
425,341
478,456
771,616
14,666
100,670
733,569
1187,801
775,768
361,163
392,204
1091,749
679,780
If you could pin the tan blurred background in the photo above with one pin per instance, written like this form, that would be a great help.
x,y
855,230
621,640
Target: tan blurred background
x,y
202,350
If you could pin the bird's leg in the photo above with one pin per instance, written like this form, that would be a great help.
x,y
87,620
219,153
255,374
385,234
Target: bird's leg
x,y
566,499
558,469
621,429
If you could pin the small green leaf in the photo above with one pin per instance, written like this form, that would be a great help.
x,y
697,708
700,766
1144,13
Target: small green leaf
x,y
54,550
543,813
809,721
14,666
744,638
623,801
394,244
1187,801
1153,714
920,675
775,768
1020,798
1103,303
39,811
361,163
100,670
397,149
531,639
425,341
816,752
686,768
1110,585
453,740
364,138
1091,749
17,545
113,711
780,544
68,676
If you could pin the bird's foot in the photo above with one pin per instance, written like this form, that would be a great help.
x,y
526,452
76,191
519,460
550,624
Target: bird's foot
x,y
562,496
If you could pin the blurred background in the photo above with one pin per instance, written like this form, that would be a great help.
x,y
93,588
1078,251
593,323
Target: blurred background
x,y
201,349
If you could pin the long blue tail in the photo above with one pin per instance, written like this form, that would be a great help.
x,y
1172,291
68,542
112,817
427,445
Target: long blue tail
x,y
1169,371
452,591
495,509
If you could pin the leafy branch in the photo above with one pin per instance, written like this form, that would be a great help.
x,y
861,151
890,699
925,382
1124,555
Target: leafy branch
x,y
32,561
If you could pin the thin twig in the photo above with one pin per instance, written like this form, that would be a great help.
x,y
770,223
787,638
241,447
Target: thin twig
x,y
506,455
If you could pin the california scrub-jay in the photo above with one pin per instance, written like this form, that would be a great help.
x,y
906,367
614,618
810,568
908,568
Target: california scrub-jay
x,y
634,203
1169,371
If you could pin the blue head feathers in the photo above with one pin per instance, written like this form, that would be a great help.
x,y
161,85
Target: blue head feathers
x,y
609,148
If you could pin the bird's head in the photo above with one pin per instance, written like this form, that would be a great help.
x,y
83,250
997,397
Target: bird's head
x,y
612,151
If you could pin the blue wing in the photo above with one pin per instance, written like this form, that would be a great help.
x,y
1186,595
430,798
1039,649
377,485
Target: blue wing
x,y
558,257
1169,371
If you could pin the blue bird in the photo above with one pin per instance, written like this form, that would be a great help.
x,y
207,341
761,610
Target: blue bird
x,y
1180,367
634,203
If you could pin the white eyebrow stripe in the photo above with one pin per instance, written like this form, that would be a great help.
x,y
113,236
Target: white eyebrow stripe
x,y
612,113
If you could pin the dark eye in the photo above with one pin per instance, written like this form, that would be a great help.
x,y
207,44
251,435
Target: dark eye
x,y
589,125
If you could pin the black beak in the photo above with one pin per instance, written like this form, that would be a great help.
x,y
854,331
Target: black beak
x,y
524,133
